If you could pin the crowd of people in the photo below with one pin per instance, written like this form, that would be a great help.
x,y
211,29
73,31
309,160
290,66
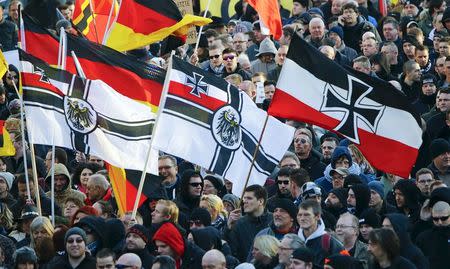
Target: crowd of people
x,y
325,206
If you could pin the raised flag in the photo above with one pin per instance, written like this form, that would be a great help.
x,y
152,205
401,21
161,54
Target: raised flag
x,y
3,65
125,184
86,115
209,122
132,78
368,111
143,22
269,15
6,145
91,17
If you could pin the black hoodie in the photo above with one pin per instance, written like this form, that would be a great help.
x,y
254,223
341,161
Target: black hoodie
x,y
435,246
362,196
184,201
407,249
412,196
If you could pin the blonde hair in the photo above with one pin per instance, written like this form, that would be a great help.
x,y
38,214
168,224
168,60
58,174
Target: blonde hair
x,y
268,245
214,205
6,217
361,160
170,209
40,223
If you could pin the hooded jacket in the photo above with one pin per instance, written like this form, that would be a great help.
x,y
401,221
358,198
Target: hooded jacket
x,y
314,243
407,249
313,165
61,196
412,199
97,225
362,196
434,244
184,202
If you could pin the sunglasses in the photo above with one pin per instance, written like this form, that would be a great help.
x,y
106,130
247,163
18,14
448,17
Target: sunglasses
x,y
214,56
71,240
196,184
195,222
440,218
284,182
230,57
301,141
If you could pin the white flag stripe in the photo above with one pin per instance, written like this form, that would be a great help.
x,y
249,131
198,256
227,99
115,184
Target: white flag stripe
x,y
313,98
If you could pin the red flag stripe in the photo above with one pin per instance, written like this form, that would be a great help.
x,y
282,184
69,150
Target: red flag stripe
x,y
34,80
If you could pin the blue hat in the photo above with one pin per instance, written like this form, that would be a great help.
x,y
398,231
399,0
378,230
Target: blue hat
x,y
338,152
315,10
338,30
378,187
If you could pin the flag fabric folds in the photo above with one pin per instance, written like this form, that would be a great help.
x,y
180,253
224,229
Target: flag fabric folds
x,y
132,78
6,144
125,184
142,22
3,65
269,14
91,17
86,115
368,111
206,121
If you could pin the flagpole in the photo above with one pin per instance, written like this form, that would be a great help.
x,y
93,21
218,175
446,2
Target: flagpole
x,y
22,130
161,105
93,19
201,27
53,179
77,65
108,32
36,182
254,155
113,5
22,30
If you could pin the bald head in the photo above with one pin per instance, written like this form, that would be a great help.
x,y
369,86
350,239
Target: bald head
x,y
130,260
214,259
440,214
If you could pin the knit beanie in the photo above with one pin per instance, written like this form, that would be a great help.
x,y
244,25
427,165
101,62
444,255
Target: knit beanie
x,y
341,194
202,215
378,187
339,261
8,177
141,231
338,30
232,199
170,235
75,230
25,255
439,146
287,205
370,217
304,254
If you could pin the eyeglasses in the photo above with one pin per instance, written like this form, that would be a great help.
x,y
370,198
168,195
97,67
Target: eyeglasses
x,y
440,218
284,182
228,57
122,266
301,141
78,240
196,184
341,226
214,56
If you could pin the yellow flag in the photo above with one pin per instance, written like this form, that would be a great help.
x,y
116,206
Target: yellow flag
x,y
3,65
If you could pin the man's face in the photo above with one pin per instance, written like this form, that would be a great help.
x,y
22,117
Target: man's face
x,y
164,249
75,246
337,180
302,145
22,188
415,74
442,160
258,35
61,182
48,161
390,32
66,13
424,182
444,49
306,218
289,162
195,187
251,203
328,149
14,11
211,40
281,55
158,214
93,192
3,185
299,264
106,263
167,169
345,229
440,218
428,88
297,9
440,66
317,30
281,219
361,68
351,199
210,262
342,162
399,198
422,57
410,10
240,43
230,60
266,57
269,90
215,57
332,201
369,47
375,199
284,184
349,16
285,251
336,7
444,99
96,160
133,241
365,229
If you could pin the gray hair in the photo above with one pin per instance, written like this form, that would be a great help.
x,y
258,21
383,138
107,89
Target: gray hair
x,y
296,242
99,180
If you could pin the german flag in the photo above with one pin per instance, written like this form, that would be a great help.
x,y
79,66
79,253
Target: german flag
x,y
143,22
125,184
3,65
124,73
91,17
6,145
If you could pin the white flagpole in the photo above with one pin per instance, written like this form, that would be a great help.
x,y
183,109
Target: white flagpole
x,y
35,179
113,5
53,178
60,48
77,65
161,105
22,30
201,27
108,32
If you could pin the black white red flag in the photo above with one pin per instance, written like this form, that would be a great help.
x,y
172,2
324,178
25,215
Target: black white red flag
x,y
368,111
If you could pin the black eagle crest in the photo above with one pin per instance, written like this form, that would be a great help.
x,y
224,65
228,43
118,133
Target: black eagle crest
x,y
228,128
80,117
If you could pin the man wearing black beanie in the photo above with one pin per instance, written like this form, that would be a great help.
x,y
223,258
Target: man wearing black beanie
x,y
440,164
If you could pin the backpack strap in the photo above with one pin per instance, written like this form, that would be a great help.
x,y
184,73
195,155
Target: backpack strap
x,y
326,242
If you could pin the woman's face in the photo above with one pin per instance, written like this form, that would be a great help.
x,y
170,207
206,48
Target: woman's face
x,y
375,249
84,176
40,234
69,209
9,78
2,166
257,254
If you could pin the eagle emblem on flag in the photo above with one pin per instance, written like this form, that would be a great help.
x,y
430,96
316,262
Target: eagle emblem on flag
x,y
80,115
226,124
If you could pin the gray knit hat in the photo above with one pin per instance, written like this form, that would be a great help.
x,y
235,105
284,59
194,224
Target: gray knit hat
x,y
75,230
9,178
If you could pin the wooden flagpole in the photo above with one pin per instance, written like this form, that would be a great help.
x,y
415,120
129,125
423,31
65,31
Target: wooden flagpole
x,y
161,105
254,155
35,179
53,178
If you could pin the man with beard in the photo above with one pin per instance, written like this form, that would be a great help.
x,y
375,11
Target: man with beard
x,y
427,96
167,168
336,202
284,219
440,164
283,184
377,201
76,255
327,146
358,199
308,160
136,241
